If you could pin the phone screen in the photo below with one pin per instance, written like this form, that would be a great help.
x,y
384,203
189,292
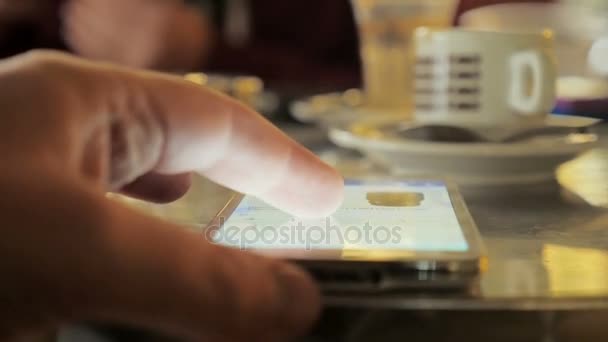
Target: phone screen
x,y
417,216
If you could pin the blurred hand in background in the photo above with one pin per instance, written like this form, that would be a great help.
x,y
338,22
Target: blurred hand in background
x,y
157,34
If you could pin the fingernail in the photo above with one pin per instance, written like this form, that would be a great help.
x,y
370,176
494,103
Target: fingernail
x,y
301,298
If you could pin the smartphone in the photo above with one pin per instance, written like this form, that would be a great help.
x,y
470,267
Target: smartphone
x,y
386,235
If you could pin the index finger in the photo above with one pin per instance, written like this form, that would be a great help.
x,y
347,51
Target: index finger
x,y
236,147
202,131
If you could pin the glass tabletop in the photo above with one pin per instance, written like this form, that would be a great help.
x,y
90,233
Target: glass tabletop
x,y
547,243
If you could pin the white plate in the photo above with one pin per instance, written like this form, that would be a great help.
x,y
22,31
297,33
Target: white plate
x,y
528,161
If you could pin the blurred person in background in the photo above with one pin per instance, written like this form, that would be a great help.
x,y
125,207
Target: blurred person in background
x,y
311,43
156,34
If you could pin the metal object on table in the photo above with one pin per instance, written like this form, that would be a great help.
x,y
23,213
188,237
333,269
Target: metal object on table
x,y
324,108
247,89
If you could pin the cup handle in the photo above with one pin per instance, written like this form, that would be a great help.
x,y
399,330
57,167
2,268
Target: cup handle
x,y
541,96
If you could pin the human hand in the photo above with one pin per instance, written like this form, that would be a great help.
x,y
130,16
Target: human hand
x,y
70,130
160,34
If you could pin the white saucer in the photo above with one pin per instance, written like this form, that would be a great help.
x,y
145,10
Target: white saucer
x,y
529,161
341,108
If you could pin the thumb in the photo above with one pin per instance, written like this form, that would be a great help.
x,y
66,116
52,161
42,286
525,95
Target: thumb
x,y
97,260
176,280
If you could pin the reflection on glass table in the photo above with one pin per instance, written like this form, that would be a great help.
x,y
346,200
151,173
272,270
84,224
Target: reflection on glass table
x,y
547,243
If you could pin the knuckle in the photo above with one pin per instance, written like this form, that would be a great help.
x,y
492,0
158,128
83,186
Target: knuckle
x,y
44,62
39,71
43,56
50,68
40,75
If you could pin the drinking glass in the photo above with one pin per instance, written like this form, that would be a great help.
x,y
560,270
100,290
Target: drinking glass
x,y
386,30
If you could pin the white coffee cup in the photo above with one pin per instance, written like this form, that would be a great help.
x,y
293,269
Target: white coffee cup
x,y
490,81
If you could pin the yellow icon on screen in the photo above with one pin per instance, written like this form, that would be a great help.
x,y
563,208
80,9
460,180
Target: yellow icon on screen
x,y
395,199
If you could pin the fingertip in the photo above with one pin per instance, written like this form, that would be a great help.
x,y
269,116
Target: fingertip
x,y
311,189
325,187
337,189
330,198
